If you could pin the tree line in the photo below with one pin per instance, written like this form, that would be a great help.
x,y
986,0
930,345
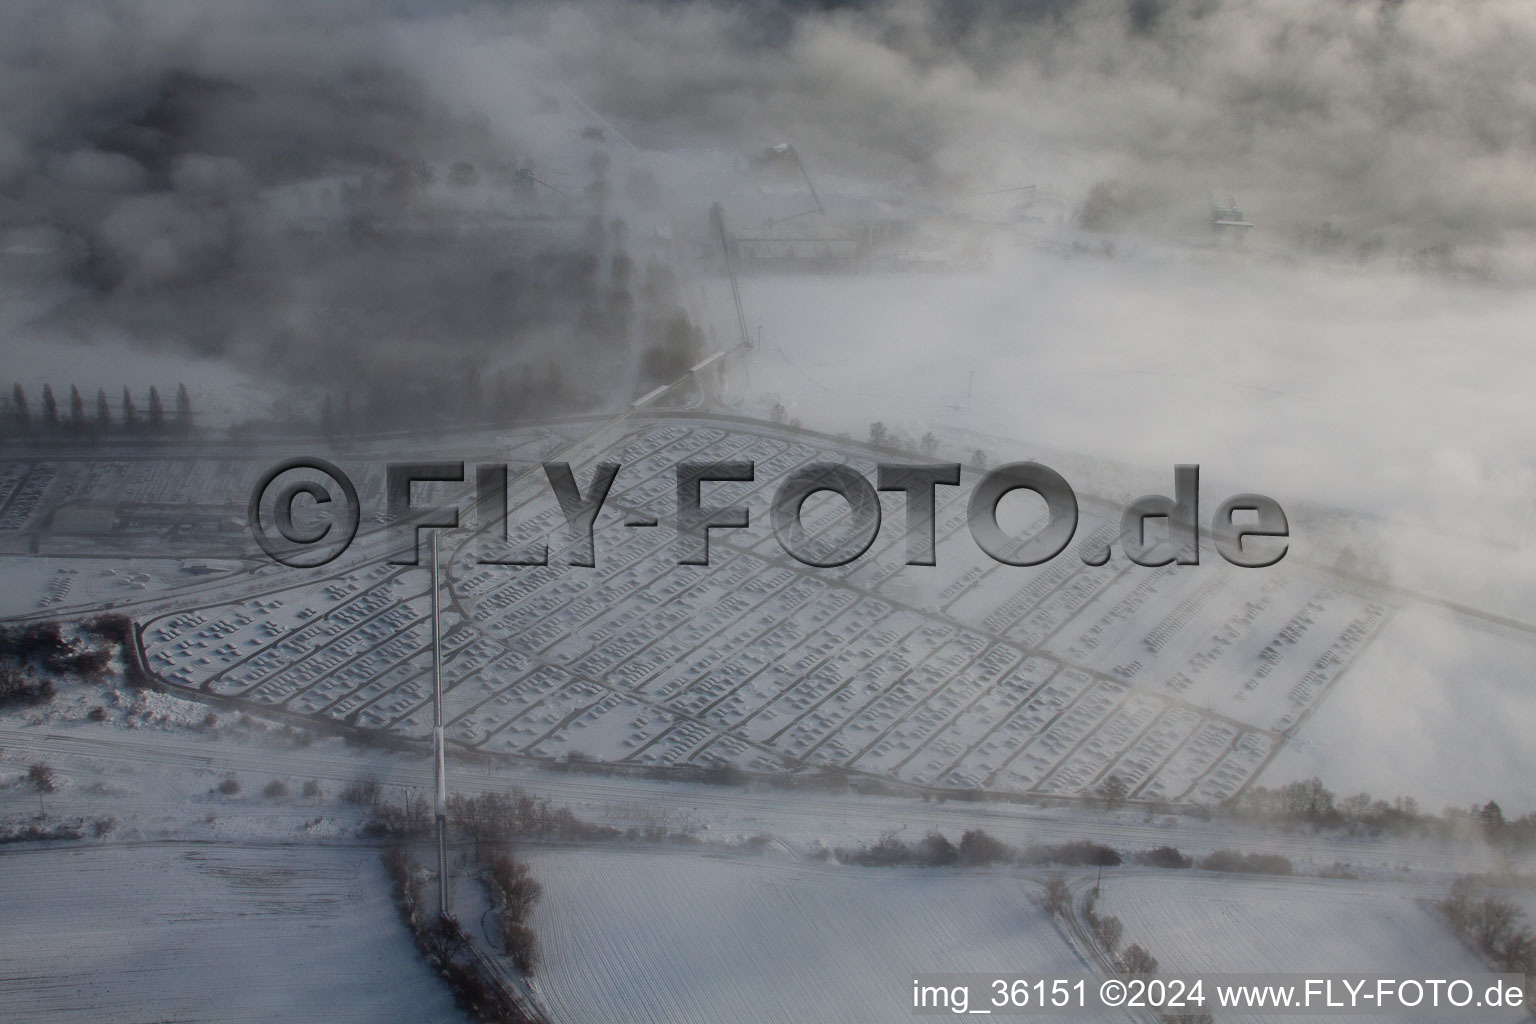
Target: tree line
x,y
97,419
1310,802
35,655
446,946
1492,924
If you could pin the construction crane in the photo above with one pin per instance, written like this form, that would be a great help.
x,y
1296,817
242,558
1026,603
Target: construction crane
x,y
785,151
1228,218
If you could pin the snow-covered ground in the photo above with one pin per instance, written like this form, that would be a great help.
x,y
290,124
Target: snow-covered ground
x,y
650,936
1200,922
1437,707
701,932
678,937
1392,399
211,932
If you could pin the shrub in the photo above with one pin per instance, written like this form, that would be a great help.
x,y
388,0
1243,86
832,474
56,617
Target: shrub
x,y
114,628
401,870
1163,857
499,816
1250,863
1493,924
936,851
889,851
1080,853
1492,921
361,791
312,788
978,848
22,688
1057,896
275,789
1457,905
97,714
1136,960
230,786
1114,790
90,665
723,774
411,818
42,642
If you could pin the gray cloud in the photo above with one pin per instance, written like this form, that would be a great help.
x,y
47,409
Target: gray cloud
x,y
156,138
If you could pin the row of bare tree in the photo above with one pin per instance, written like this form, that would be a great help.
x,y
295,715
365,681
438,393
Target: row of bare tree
x,y
52,417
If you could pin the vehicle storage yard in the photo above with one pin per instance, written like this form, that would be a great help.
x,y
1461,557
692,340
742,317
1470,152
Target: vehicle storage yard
x,y
1040,680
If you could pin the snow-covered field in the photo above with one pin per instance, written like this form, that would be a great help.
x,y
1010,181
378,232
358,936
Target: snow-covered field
x,y
654,933
1201,922
207,932
679,938
1456,687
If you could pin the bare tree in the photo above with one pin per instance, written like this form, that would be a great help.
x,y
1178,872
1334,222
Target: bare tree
x,y
1108,930
156,409
103,411
1114,791
518,891
1517,953
1457,904
1308,799
879,437
50,407
1492,921
76,409
41,778
1137,960
1057,897
19,405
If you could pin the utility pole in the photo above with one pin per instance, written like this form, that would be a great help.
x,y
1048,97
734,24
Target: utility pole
x,y
440,802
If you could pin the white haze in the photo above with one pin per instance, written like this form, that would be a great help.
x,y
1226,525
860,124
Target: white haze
x,y
1370,353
